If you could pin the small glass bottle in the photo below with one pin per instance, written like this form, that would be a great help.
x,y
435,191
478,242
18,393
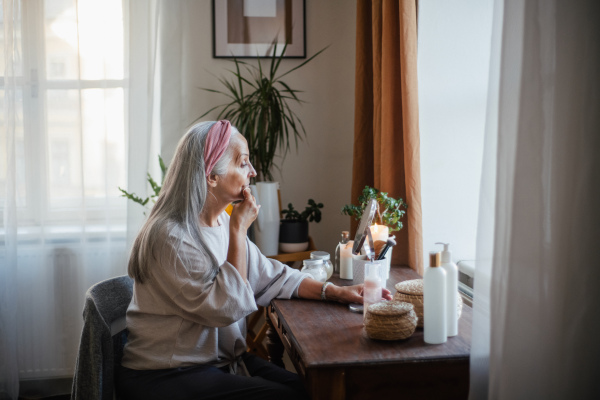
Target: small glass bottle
x,y
345,239
315,268
323,255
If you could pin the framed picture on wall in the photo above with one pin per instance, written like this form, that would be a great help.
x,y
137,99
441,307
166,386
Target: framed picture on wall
x,y
250,28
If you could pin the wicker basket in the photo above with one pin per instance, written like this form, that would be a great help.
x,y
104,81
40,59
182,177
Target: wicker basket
x,y
412,292
390,320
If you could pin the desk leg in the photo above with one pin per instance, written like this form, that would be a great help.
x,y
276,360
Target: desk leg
x,y
273,343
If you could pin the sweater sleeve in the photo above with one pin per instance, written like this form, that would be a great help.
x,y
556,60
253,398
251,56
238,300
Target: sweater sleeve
x,y
271,279
181,277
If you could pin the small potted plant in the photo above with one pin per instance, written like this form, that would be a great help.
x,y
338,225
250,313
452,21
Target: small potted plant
x,y
389,213
293,231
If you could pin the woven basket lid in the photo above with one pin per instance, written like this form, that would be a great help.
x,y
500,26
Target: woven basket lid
x,y
413,287
390,308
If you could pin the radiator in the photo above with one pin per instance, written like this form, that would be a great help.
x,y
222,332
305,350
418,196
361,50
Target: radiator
x,y
52,281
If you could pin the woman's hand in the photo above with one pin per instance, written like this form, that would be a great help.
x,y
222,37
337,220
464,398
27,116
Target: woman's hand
x,y
242,216
352,294
244,213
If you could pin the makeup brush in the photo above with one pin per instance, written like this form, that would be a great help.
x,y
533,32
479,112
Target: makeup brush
x,y
379,245
390,243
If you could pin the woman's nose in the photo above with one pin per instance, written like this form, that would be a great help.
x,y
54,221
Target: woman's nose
x,y
252,171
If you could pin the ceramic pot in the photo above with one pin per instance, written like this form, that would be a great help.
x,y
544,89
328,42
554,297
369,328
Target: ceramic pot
x,y
266,225
293,236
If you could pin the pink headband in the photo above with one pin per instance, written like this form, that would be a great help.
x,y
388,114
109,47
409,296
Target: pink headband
x,y
217,140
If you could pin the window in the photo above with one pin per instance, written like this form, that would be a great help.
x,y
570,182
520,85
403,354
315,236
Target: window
x,y
452,121
70,138
62,131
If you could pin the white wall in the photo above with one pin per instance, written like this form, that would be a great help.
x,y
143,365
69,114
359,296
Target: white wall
x,y
453,59
322,167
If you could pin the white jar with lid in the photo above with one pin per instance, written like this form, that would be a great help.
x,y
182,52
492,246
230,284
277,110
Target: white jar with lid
x,y
323,255
315,268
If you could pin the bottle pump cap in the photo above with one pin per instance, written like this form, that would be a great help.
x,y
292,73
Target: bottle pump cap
x,y
434,259
446,255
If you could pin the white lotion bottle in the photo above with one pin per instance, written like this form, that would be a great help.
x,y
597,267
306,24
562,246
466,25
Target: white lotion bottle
x,y
434,301
451,290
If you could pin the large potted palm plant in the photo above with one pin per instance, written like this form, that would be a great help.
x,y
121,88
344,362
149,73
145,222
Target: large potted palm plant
x,y
259,106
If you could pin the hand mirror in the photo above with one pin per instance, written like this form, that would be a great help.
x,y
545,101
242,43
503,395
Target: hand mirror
x,y
364,231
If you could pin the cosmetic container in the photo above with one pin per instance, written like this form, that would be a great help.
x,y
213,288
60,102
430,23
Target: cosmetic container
x,y
315,268
323,255
434,301
390,320
451,290
372,288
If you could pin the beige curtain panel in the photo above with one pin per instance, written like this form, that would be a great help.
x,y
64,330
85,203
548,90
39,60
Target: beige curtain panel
x,y
386,126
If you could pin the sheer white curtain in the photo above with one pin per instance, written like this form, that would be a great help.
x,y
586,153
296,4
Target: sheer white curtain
x,y
75,125
11,96
536,322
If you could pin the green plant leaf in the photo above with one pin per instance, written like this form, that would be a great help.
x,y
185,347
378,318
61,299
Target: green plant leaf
x,y
260,109
133,197
301,65
311,213
389,210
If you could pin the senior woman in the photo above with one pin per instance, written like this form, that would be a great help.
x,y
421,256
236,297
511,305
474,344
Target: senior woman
x,y
197,276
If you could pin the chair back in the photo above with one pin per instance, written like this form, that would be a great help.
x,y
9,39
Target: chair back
x,y
102,338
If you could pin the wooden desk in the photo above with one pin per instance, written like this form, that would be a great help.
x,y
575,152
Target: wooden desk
x,y
329,349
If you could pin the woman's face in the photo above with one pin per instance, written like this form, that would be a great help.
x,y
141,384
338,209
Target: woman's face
x,y
230,186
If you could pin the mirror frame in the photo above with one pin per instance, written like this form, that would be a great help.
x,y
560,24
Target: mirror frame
x,y
365,223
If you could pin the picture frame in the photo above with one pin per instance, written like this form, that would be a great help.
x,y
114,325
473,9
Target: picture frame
x,y
251,28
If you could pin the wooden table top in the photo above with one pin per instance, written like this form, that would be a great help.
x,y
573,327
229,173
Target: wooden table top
x,y
328,334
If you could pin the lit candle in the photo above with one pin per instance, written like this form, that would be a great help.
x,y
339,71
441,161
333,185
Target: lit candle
x,y
346,261
380,232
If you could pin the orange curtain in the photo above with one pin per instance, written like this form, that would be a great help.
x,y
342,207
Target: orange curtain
x,y
386,125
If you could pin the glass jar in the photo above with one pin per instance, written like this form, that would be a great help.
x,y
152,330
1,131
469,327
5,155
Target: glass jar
x,y
315,268
323,255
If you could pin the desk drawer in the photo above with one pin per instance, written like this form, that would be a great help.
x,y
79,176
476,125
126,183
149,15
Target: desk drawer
x,y
274,318
284,336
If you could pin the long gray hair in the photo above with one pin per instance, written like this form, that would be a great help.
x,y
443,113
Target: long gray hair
x,y
181,201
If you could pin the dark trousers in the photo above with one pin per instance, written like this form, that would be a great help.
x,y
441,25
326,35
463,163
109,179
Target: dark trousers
x,y
267,381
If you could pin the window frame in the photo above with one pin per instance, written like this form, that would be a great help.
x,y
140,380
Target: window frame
x,y
35,86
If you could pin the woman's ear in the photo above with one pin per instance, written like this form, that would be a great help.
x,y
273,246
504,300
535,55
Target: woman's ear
x,y
212,180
